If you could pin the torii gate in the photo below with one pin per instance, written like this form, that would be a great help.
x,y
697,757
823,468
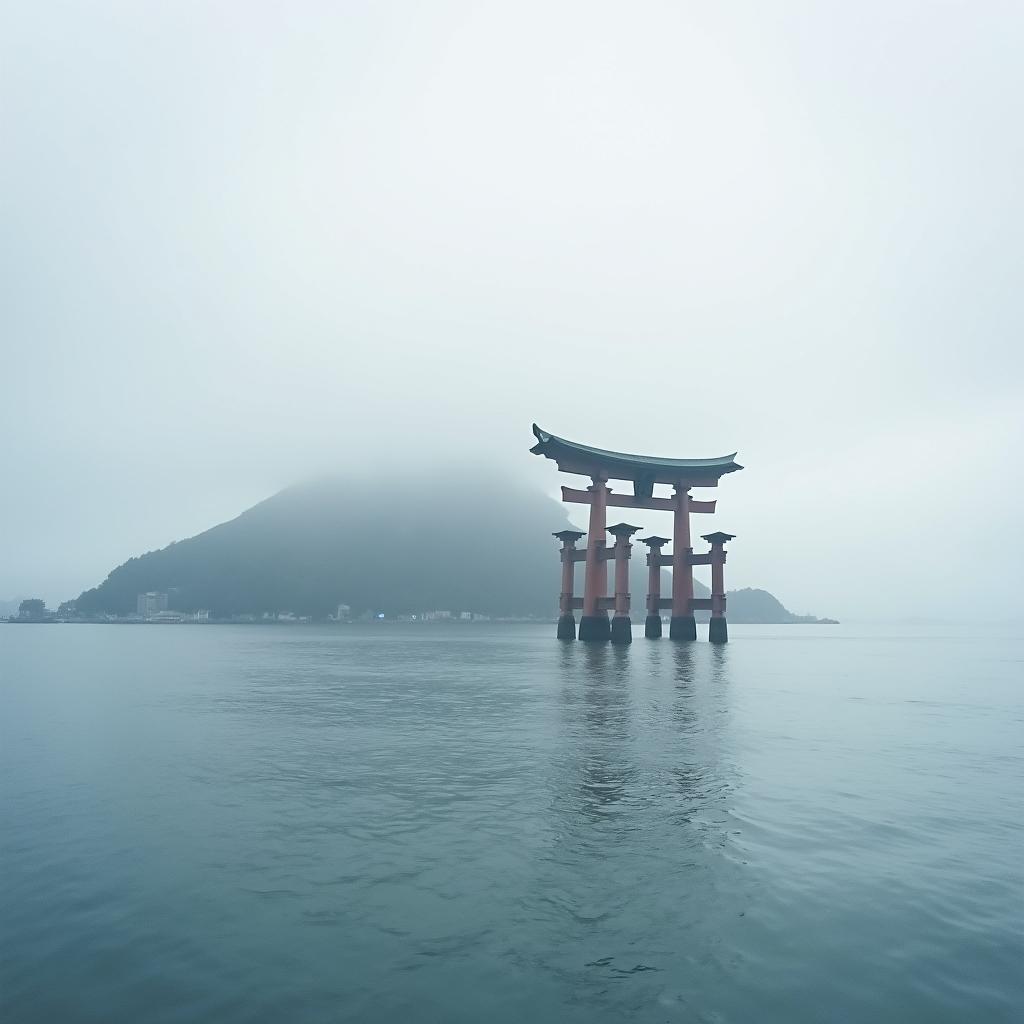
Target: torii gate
x,y
644,472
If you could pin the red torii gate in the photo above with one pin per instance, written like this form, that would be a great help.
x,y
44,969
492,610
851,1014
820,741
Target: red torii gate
x,y
644,472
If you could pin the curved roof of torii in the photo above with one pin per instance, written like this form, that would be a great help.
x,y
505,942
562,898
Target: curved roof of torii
x,y
581,458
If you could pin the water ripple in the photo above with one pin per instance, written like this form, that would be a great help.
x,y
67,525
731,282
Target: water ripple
x,y
462,825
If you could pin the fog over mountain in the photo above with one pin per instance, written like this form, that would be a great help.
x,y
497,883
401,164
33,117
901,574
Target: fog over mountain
x,y
244,245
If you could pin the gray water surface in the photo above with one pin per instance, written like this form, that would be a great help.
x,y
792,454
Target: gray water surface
x,y
474,823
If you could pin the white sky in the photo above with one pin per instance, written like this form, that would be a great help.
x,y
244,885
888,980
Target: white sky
x,y
242,243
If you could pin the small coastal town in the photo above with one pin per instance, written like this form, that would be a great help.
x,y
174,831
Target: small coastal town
x,y
154,607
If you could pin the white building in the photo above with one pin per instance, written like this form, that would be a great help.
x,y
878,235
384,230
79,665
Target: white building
x,y
150,604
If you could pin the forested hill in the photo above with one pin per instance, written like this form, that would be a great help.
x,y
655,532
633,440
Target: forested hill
x,y
484,548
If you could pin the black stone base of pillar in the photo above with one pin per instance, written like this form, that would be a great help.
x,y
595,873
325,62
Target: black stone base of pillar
x,y
622,630
595,628
652,626
566,627
683,627
718,631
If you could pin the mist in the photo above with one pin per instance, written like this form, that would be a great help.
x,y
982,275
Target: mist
x,y
249,244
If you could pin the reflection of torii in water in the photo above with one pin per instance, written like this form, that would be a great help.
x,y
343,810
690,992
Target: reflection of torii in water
x,y
644,472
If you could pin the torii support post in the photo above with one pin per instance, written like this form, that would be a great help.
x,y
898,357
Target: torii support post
x,y
594,624
566,619
652,624
683,625
622,626
718,629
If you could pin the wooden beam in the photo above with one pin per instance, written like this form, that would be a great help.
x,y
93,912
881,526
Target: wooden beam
x,y
578,465
572,494
580,554
603,603
696,603
664,559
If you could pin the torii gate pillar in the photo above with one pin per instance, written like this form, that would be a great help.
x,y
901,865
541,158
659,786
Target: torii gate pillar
x,y
683,625
718,629
566,619
594,623
622,625
652,624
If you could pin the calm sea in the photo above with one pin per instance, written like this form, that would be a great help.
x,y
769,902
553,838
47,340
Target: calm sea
x,y
479,824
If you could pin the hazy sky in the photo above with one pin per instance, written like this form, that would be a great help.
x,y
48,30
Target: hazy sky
x,y
243,243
